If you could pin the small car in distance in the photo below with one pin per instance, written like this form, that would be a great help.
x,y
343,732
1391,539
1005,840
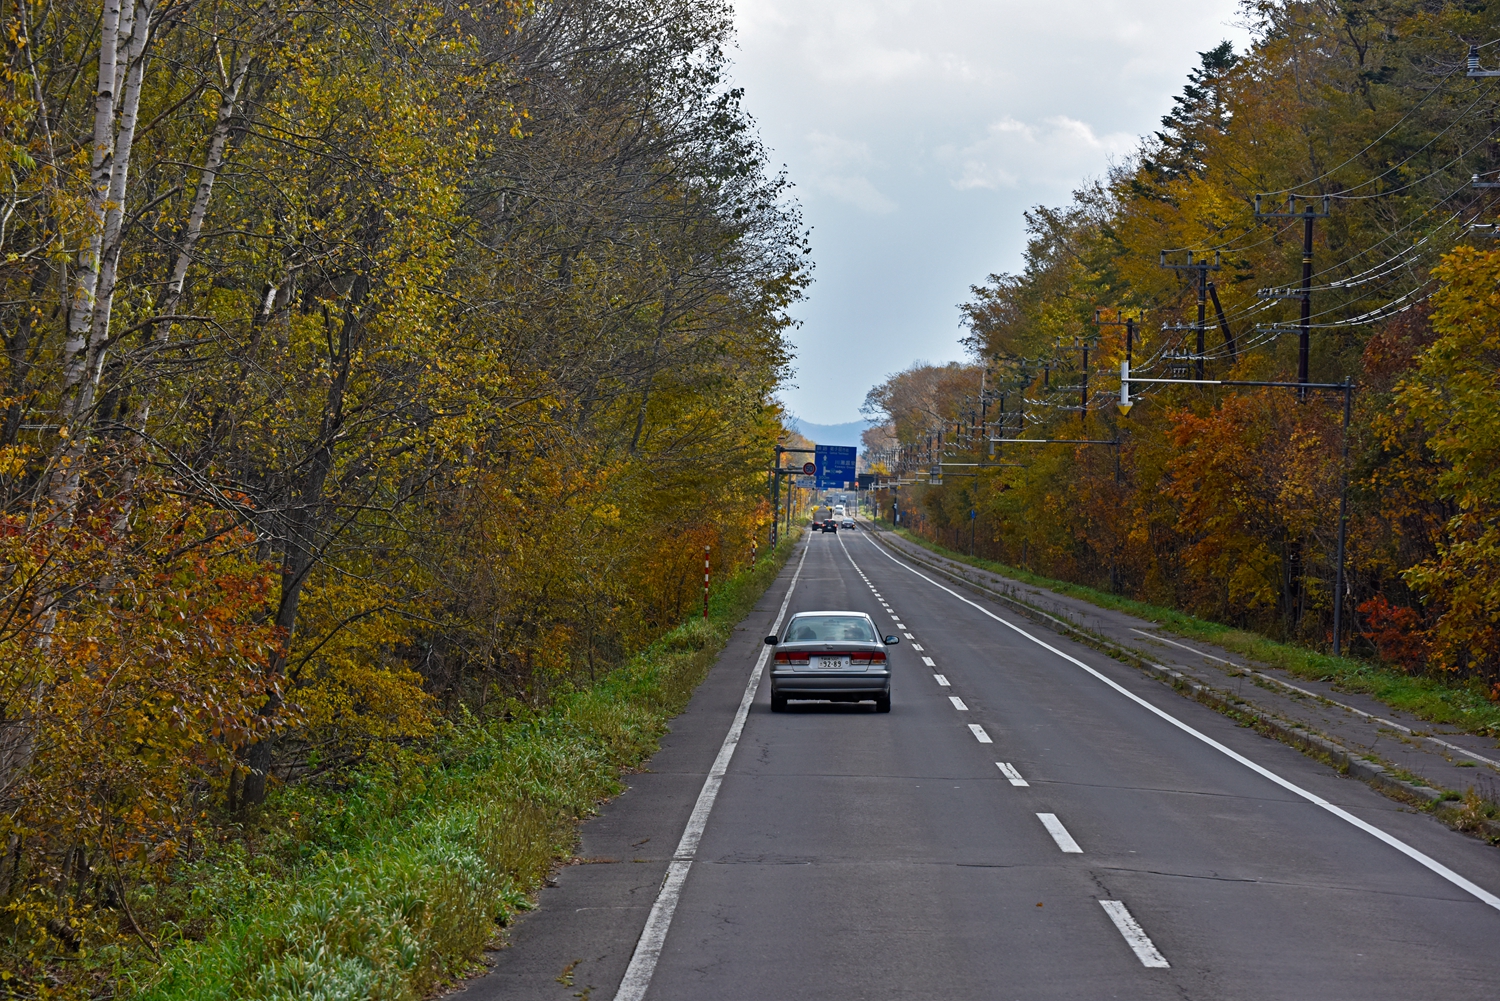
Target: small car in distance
x,y
831,656
817,526
830,525
847,524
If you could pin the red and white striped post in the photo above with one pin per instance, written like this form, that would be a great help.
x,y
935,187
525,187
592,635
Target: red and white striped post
x,y
705,582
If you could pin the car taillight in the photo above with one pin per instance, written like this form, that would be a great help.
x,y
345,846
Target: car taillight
x,y
866,659
792,658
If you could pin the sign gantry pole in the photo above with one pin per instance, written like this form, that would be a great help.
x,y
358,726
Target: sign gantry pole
x,y
777,472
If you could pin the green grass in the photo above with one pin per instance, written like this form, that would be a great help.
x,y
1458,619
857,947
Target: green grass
x,y
1436,700
396,883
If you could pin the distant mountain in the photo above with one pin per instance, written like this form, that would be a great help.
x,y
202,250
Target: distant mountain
x,y
831,434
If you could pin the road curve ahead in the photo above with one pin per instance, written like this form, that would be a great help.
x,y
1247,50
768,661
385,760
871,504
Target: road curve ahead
x,y
1031,820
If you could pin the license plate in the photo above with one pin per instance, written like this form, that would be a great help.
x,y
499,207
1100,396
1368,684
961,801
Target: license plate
x,y
832,663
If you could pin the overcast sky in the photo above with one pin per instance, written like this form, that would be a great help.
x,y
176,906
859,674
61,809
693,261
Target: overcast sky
x,y
918,133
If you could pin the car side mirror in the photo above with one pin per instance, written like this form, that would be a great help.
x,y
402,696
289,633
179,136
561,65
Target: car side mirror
x,y
892,640
770,641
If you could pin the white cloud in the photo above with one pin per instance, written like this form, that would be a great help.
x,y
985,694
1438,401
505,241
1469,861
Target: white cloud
x,y
919,131
1011,150
835,162
832,152
856,190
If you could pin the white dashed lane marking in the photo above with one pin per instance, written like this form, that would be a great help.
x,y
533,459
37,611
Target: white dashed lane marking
x,y
1059,833
928,662
958,703
1135,936
1009,771
940,680
979,734
1390,840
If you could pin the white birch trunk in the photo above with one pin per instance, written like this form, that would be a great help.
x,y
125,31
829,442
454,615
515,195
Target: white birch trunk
x,y
86,280
16,755
122,60
228,105
133,69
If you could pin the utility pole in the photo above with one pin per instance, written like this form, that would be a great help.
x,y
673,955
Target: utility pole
x,y
984,402
1347,389
1307,215
1338,582
1202,267
1129,324
1083,388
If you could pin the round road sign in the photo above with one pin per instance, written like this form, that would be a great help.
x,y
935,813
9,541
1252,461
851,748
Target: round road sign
x,y
810,468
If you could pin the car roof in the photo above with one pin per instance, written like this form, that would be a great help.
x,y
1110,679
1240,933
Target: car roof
x,y
803,615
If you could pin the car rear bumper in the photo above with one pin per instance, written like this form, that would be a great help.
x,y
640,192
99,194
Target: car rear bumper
x,y
822,686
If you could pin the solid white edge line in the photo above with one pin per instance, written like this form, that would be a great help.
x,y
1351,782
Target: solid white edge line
x,y
1135,936
979,733
654,935
1415,855
1059,833
958,703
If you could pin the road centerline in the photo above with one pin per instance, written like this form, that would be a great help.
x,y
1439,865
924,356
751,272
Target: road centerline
x,y
1059,833
1135,936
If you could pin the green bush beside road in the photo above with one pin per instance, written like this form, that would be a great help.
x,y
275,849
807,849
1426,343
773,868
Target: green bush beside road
x,y
398,880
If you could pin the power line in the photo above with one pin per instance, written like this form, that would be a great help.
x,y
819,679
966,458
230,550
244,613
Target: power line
x,y
1381,138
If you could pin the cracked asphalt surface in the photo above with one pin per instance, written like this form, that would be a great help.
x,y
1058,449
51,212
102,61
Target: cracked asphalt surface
x,y
851,854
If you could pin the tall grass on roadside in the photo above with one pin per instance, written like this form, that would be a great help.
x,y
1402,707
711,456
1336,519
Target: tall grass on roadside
x,y
385,888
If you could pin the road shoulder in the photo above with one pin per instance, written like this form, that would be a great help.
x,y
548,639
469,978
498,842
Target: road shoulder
x,y
579,939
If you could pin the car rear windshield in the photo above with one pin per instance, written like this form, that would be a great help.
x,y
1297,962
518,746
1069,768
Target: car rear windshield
x,y
830,629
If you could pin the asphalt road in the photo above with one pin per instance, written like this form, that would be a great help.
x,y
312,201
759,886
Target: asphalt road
x,y
1093,848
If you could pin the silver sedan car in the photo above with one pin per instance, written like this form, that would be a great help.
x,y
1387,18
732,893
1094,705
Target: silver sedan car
x,y
831,656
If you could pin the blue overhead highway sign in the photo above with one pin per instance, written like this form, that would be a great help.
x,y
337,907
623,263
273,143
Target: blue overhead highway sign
x,y
835,466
